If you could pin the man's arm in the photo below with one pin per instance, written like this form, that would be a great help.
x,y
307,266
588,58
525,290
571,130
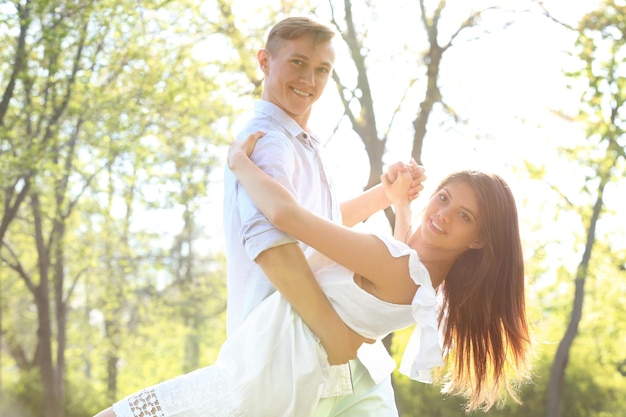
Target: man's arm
x,y
288,270
285,264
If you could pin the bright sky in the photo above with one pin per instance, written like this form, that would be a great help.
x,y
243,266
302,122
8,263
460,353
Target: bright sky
x,y
506,83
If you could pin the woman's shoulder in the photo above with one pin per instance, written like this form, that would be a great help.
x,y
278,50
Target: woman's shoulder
x,y
417,269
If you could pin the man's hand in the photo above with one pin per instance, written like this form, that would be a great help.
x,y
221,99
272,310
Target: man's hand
x,y
288,270
418,176
398,191
344,346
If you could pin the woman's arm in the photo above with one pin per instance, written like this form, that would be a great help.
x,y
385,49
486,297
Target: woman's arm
x,y
361,207
362,253
401,204
394,190
375,199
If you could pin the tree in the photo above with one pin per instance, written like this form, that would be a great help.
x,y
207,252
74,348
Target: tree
x,y
358,98
16,177
600,48
93,92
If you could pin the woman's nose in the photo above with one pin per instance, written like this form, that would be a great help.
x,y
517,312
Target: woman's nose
x,y
444,214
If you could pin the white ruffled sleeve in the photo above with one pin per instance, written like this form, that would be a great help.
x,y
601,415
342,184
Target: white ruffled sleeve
x,y
423,352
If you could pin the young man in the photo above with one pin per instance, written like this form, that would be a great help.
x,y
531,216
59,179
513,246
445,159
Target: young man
x,y
297,62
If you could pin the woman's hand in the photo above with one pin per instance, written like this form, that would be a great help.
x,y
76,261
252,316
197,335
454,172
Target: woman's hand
x,y
417,174
403,183
242,149
397,191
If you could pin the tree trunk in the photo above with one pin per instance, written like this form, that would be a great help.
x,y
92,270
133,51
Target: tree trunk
x,y
112,361
557,373
61,316
52,403
432,95
44,357
561,358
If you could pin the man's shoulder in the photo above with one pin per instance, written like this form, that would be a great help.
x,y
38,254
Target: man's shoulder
x,y
275,134
271,127
272,120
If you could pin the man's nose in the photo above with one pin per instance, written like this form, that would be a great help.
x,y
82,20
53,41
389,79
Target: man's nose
x,y
307,76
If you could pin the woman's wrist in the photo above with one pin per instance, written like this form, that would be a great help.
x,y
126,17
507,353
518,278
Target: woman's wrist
x,y
236,160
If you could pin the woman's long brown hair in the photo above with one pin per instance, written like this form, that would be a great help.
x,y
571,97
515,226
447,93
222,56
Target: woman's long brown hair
x,y
483,316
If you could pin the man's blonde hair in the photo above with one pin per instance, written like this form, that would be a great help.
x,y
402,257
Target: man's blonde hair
x,y
296,27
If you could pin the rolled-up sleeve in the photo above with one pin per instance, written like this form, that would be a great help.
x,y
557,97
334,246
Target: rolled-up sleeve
x,y
274,154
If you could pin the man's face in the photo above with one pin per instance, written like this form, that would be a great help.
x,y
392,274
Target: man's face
x,y
296,74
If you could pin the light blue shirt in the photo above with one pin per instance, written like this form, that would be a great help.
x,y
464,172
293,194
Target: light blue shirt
x,y
292,156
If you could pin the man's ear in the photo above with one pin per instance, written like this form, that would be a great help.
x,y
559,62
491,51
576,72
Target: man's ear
x,y
477,244
264,60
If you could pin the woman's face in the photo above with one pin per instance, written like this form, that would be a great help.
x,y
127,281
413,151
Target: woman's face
x,y
451,220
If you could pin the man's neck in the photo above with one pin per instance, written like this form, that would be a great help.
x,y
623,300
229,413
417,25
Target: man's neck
x,y
302,119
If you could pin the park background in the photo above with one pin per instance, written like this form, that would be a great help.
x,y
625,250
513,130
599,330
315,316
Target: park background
x,y
114,121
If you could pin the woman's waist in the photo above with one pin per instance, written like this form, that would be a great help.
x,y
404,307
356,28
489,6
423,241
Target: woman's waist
x,y
366,314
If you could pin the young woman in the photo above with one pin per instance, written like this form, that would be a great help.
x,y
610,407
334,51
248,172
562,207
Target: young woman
x,y
468,241
469,249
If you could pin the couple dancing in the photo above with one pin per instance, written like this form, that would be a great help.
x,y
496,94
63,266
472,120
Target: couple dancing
x,y
313,348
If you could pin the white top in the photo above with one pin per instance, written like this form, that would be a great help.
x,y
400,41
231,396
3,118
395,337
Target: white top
x,y
374,318
274,366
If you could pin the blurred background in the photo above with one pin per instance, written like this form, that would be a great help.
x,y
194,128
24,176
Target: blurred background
x,y
115,117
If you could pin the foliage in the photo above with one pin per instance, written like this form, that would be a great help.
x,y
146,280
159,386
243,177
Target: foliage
x,y
112,115
600,49
111,120
25,397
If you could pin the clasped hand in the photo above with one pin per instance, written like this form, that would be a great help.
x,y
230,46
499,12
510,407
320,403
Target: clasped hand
x,y
403,182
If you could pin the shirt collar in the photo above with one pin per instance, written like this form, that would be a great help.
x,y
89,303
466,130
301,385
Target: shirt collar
x,y
271,110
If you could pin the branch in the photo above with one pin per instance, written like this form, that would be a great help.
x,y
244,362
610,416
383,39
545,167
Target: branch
x,y
563,196
397,109
17,267
452,113
10,211
467,23
344,101
549,15
18,63
70,291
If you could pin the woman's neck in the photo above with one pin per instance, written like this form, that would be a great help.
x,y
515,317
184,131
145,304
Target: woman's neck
x,y
437,270
437,262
